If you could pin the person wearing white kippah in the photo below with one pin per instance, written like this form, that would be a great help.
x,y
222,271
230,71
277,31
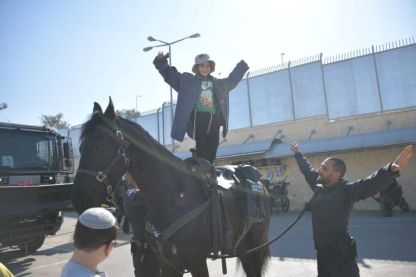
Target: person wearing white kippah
x,y
94,237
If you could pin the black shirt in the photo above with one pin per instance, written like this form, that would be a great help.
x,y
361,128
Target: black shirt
x,y
331,207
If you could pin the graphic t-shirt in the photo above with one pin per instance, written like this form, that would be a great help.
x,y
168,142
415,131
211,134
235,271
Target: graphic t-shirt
x,y
206,99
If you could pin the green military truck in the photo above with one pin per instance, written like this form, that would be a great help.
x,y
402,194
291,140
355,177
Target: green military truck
x,y
35,165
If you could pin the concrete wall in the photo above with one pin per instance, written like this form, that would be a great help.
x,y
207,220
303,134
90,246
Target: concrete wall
x,y
397,74
325,128
270,94
240,101
308,90
351,87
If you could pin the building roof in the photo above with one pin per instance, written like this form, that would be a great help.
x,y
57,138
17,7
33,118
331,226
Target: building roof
x,y
245,149
237,150
274,148
345,143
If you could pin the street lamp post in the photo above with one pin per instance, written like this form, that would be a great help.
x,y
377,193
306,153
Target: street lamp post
x,y
281,56
164,43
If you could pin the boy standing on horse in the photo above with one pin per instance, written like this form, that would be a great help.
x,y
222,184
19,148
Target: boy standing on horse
x,y
203,101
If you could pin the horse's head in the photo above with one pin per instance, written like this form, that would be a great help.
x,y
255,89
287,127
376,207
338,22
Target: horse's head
x,y
103,159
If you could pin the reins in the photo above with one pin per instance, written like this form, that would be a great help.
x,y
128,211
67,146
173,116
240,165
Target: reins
x,y
247,252
250,251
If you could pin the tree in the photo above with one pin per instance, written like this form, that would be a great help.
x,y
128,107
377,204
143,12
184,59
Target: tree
x,y
54,121
128,113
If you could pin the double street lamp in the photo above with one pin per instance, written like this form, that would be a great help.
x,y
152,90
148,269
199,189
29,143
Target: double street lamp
x,y
137,96
281,56
164,43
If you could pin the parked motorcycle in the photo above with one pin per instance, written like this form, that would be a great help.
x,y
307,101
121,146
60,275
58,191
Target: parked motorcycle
x,y
279,194
391,197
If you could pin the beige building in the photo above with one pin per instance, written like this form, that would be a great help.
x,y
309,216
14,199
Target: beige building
x,y
366,143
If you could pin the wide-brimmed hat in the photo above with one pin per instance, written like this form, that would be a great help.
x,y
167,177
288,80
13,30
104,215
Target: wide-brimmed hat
x,y
203,59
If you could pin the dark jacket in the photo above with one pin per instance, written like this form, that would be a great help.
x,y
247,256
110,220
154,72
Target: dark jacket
x,y
135,209
188,86
331,207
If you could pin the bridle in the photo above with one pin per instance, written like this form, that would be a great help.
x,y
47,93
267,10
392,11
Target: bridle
x,y
101,176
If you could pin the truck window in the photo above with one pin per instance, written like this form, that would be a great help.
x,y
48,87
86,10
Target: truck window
x,y
46,152
28,151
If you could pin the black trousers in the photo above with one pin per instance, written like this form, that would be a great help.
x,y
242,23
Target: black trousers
x,y
207,134
338,261
145,261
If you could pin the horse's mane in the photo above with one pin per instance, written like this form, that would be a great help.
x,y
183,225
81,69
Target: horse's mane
x,y
90,124
146,137
99,118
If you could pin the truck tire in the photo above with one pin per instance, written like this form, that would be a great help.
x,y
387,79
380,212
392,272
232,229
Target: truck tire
x,y
34,245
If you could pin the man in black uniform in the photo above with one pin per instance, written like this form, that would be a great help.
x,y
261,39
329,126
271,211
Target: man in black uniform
x,y
145,261
331,206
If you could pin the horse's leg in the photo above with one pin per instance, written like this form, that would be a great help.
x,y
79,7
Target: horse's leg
x,y
168,271
198,266
149,264
254,263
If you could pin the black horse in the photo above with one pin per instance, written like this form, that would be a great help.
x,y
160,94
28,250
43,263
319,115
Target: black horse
x,y
111,145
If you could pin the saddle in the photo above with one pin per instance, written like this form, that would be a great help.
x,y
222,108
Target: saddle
x,y
202,166
232,189
245,181
236,184
227,185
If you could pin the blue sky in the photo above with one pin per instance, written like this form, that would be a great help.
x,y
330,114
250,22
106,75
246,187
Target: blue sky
x,y
62,55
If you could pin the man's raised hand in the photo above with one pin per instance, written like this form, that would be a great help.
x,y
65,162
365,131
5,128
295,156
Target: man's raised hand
x,y
402,159
294,146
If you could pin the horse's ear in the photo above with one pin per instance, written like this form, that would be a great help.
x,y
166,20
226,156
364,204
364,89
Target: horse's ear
x,y
110,112
97,109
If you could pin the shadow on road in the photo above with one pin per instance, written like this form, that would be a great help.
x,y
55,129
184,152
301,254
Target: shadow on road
x,y
17,262
378,237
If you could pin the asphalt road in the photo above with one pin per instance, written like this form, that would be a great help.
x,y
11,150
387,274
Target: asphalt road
x,y
386,246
